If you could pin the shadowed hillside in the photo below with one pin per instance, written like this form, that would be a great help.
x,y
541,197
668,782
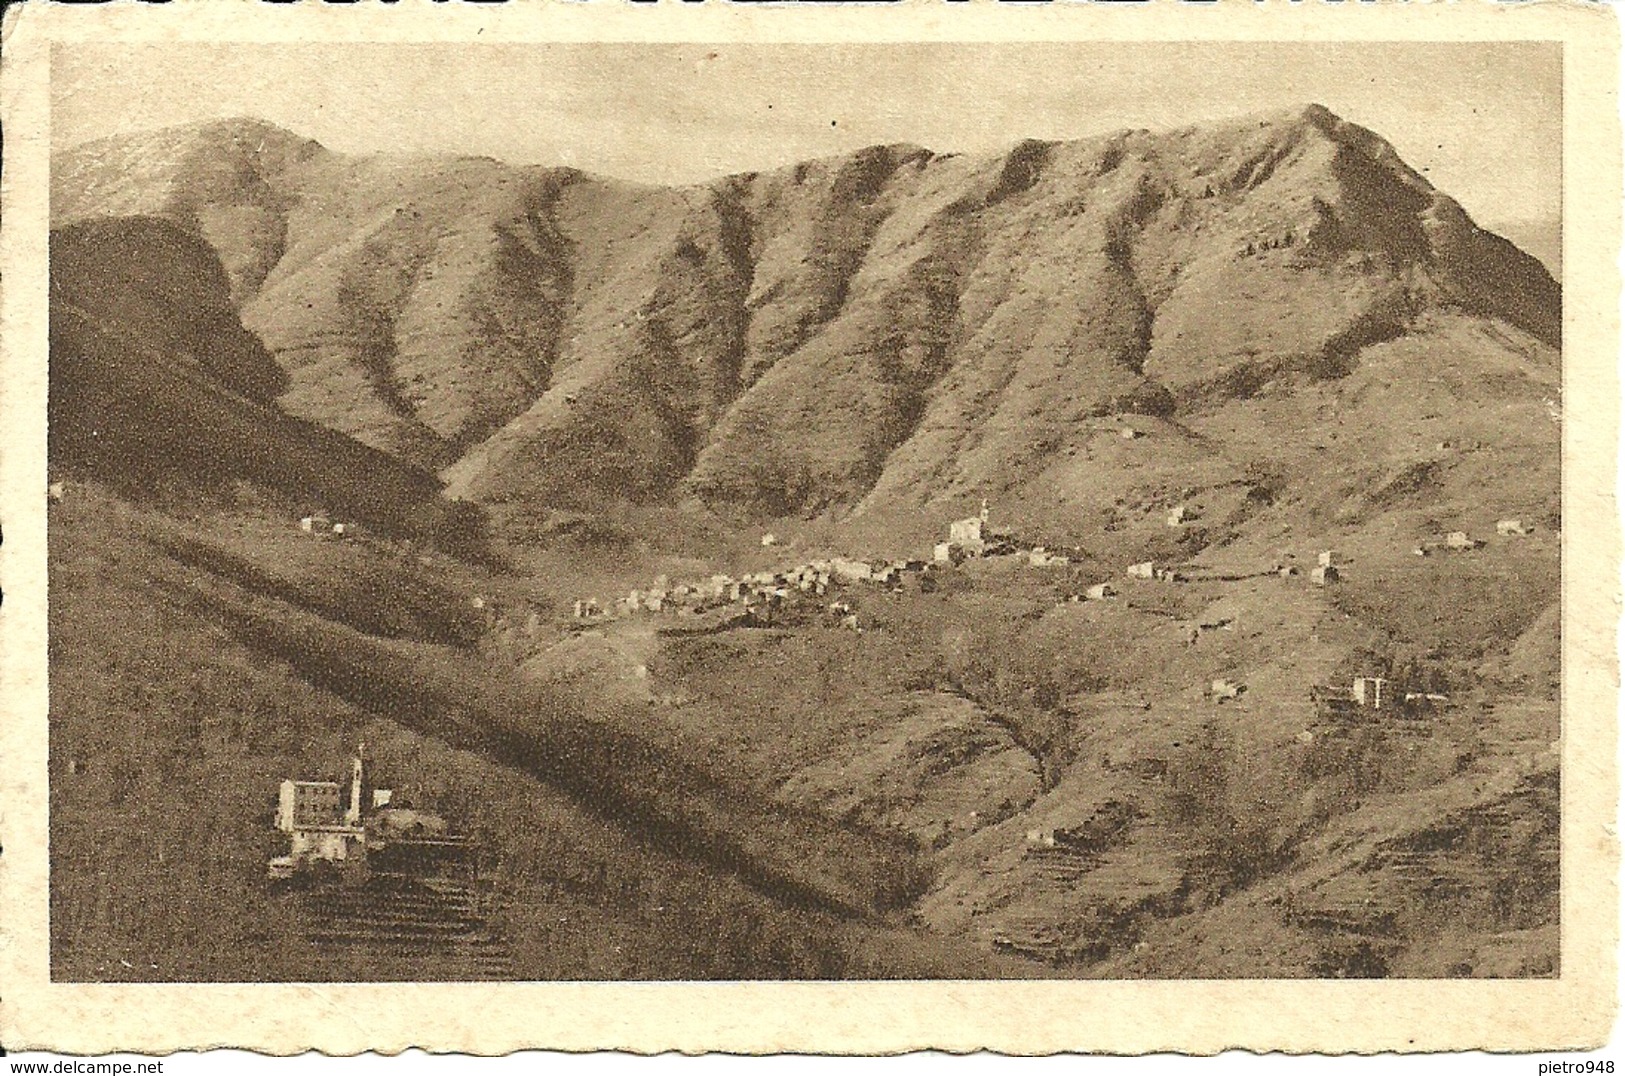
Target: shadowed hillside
x,y
153,377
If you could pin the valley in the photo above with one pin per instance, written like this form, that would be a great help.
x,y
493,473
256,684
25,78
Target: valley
x,y
752,568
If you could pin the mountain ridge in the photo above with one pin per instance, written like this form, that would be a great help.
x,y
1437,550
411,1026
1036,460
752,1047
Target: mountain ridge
x,y
820,336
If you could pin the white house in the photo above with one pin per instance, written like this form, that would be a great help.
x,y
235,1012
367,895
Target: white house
x,y
307,803
1370,691
966,533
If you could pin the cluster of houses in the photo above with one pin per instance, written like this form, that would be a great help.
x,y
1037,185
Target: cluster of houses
x,y
1371,698
764,594
1325,572
1364,693
1281,242
761,595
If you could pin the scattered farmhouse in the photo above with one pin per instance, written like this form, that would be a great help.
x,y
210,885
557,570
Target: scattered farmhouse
x,y
323,526
1370,692
1181,515
966,534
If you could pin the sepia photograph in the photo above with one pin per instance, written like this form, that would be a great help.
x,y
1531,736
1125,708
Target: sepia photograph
x,y
1052,539
763,511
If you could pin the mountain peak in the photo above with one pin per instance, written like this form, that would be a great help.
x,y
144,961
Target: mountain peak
x,y
226,133
245,128
1319,114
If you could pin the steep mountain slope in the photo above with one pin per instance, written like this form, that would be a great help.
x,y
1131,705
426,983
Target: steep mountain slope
x,y
890,327
227,182
150,280
154,379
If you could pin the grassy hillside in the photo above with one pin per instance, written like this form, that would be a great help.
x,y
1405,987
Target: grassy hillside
x,y
971,717
180,697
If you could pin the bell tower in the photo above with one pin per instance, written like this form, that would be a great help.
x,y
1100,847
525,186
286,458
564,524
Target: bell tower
x,y
358,780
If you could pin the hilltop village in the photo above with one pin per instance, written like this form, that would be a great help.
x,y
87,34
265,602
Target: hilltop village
x,y
761,597
833,589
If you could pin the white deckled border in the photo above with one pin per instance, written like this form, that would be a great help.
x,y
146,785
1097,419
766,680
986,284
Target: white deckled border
x,y
1024,1017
